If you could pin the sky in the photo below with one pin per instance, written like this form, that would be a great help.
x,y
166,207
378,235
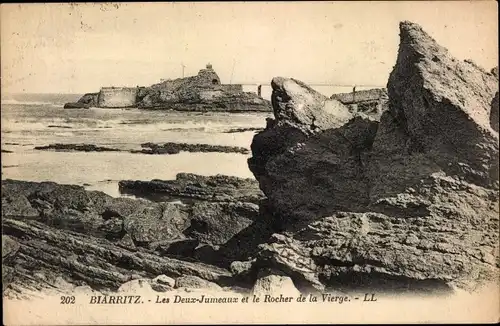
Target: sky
x,y
78,48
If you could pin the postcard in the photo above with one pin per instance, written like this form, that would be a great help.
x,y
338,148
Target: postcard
x,y
250,162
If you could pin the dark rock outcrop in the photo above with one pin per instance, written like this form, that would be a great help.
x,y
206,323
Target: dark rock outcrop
x,y
310,131
235,130
76,105
410,202
106,241
175,148
90,99
148,148
82,259
59,126
188,186
77,148
290,126
145,223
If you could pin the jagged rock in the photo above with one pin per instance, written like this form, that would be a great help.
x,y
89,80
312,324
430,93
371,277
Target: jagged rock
x,y
443,105
400,203
194,282
274,283
335,141
219,188
299,113
300,106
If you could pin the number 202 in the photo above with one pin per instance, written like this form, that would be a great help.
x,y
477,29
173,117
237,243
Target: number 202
x,y
67,300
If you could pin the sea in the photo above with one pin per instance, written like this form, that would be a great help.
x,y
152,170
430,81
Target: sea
x,y
29,120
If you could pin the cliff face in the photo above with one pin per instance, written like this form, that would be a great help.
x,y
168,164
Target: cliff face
x,y
203,92
410,200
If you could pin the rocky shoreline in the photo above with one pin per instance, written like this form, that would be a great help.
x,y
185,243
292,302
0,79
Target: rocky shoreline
x,y
110,241
403,198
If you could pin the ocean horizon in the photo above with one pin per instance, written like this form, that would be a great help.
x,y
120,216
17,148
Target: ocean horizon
x,y
30,120
19,98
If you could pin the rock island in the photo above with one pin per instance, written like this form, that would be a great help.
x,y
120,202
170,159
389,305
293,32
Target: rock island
x,y
203,92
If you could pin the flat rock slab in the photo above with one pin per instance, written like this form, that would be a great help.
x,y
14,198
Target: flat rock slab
x,y
97,262
187,186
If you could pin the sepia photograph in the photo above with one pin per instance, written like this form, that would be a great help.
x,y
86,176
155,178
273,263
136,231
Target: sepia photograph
x,y
250,162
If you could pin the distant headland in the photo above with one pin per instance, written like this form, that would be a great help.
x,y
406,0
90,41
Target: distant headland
x,y
203,92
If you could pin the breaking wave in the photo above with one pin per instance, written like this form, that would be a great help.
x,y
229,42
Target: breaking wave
x,y
16,102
